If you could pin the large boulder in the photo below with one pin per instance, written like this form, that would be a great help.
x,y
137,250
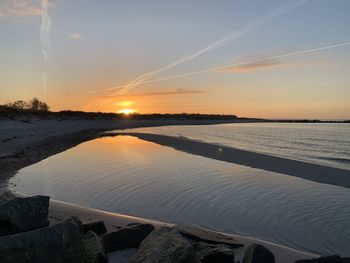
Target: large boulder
x,y
127,237
97,227
328,259
146,227
258,254
94,252
61,243
165,245
24,214
209,253
207,236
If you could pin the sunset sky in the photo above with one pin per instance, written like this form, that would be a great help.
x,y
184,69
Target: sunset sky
x,y
253,58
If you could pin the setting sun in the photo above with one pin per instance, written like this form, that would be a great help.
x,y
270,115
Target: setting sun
x,y
127,111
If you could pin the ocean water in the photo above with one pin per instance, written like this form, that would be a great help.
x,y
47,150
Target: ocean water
x,y
124,174
325,143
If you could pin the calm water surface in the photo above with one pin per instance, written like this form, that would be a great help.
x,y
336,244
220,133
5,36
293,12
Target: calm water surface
x,y
126,175
325,143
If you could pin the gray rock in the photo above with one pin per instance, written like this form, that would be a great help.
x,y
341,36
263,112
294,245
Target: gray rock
x,y
61,243
122,256
209,253
6,196
98,227
78,222
328,259
165,245
146,227
258,254
127,237
24,214
94,252
207,236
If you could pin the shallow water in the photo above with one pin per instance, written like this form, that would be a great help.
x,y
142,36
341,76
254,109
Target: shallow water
x,y
320,143
126,175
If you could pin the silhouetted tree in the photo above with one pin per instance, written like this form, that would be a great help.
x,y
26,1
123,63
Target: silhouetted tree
x,y
43,106
37,105
18,104
34,104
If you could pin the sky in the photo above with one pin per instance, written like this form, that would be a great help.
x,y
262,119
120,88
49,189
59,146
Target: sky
x,y
252,58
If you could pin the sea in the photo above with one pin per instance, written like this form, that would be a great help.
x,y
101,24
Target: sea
x,y
124,174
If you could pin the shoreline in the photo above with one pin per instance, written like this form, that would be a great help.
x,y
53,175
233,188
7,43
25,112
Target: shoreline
x,y
65,210
49,143
312,172
24,143
60,211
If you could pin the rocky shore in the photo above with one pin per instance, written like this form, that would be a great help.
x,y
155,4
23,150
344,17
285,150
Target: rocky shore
x,y
28,235
37,229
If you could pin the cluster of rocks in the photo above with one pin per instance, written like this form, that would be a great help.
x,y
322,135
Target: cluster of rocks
x,y
27,236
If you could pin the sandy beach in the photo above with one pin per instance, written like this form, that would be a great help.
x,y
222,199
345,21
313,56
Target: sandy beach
x,y
26,143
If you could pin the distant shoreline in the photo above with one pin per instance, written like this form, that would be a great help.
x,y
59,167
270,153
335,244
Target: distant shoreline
x,y
9,113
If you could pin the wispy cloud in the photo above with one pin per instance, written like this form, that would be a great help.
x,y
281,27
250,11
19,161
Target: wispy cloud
x,y
75,36
159,93
167,93
20,8
269,64
274,57
217,44
173,92
102,101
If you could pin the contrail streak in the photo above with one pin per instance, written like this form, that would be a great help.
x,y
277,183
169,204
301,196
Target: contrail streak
x,y
45,37
284,55
45,28
218,43
294,53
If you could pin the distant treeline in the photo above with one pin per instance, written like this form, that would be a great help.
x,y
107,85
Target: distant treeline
x,y
33,105
186,116
9,111
36,109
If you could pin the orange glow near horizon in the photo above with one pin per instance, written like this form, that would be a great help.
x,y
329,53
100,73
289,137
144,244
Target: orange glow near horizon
x,y
127,111
125,103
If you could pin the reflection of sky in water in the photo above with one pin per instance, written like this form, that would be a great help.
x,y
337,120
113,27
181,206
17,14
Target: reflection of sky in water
x,y
324,143
126,175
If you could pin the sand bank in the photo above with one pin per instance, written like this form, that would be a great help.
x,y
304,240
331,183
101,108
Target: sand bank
x,y
308,171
